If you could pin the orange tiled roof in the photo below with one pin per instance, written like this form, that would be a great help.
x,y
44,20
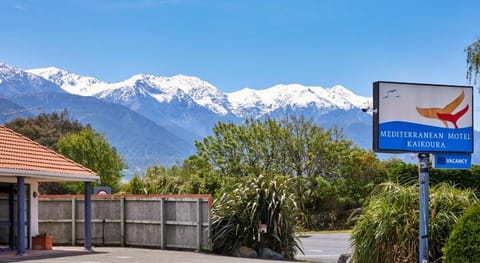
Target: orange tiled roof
x,y
19,153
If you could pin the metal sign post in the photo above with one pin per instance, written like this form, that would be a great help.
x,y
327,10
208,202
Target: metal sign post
x,y
423,162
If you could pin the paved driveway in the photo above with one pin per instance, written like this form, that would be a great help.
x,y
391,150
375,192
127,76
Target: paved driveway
x,y
325,248
121,255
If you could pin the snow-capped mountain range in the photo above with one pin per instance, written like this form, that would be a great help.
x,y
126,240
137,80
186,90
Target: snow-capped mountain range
x,y
186,88
155,120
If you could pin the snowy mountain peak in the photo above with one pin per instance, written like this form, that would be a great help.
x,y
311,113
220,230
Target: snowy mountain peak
x,y
71,82
164,89
345,97
15,81
7,71
246,101
188,89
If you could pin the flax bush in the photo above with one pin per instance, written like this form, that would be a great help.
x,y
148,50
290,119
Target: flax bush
x,y
387,230
264,199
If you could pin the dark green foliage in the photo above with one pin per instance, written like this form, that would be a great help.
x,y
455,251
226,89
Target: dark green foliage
x,y
460,178
260,200
319,202
361,172
158,180
135,186
407,174
46,129
401,172
463,244
174,180
200,179
387,230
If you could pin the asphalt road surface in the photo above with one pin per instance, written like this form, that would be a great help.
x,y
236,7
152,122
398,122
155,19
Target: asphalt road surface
x,y
122,255
325,248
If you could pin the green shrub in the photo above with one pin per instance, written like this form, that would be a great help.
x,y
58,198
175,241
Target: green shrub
x,y
262,200
387,230
463,244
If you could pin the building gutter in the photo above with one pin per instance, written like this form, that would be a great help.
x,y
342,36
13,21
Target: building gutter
x,y
50,176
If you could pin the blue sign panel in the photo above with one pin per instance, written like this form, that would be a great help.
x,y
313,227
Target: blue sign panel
x,y
428,118
452,161
422,138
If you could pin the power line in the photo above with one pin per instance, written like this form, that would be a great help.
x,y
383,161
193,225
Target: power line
x,y
8,114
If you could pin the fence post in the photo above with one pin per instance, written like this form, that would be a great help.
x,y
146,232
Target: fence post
x,y
209,221
74,222
162,223
122,221
199,223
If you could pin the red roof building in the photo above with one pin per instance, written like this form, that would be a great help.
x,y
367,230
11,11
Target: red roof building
x,y
23,164
21,156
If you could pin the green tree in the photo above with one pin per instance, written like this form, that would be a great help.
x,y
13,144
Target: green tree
x,y
401,172
473,61
159,180
174,180
291,147
135,186
46,129
201,178
93,151
361,172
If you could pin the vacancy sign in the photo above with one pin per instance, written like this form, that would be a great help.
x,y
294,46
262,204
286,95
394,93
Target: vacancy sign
x,y
411,117
452,161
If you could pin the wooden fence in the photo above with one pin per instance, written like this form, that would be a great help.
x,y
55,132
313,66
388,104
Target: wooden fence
x,y
163,221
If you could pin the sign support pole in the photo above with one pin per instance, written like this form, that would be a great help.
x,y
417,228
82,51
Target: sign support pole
x,y
423,163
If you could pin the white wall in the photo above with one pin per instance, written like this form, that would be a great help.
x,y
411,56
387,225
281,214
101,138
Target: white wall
x,y
33,208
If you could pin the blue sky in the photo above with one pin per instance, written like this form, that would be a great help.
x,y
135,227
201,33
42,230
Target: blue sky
x,y
245,43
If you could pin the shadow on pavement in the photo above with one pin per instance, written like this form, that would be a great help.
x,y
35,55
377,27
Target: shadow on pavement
x,y
11,255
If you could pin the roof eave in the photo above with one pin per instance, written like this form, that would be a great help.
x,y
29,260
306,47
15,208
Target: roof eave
x,y
50,176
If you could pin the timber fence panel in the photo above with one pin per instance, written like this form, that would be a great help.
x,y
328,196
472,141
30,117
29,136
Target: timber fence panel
x,y
55,218
106,221
143,221
164,221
